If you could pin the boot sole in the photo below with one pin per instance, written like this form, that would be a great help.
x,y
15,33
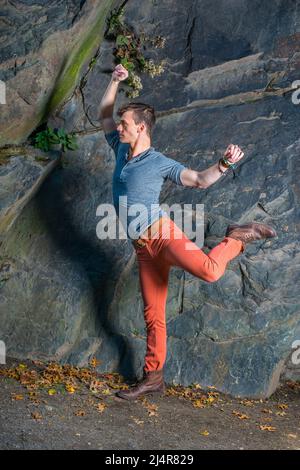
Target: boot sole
x,y
129,398
257,224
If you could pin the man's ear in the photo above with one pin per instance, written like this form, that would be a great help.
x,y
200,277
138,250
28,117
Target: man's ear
x,y
142,126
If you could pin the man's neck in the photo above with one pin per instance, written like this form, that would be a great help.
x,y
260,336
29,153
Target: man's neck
x,y
138,148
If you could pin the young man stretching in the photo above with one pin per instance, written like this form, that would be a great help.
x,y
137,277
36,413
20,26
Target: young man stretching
x,y
159,243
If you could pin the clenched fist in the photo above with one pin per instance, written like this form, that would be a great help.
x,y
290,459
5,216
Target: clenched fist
x,y
233,153
120,73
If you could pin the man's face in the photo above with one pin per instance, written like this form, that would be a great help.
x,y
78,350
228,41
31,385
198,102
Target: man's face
x,y
128,130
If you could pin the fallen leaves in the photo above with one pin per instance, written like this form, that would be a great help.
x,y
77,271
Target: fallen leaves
x,y
94,362
202,400
267,419
100,387
206,400
265,427
197,386
282,406
70,388
15,396
240,415
293,385
198,404
36,415
101,407
280,413
57,379
96,385
34,398
247,402
137,421
150,407
194,393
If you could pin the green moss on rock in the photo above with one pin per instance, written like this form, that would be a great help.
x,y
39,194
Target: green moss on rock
x,y
79,56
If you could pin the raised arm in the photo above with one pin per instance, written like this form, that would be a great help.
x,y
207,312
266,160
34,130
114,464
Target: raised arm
x,y
204,179
106,109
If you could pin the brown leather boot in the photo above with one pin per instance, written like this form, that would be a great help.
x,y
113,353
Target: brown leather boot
x,y
250,232
152,382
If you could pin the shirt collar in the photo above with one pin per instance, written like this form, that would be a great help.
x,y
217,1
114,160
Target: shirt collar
x,y
139,156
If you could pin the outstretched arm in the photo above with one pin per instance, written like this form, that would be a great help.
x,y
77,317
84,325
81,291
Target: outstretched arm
x,y
108,101
204,179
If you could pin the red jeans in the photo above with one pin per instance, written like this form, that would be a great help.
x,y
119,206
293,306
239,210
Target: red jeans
x,y
169,247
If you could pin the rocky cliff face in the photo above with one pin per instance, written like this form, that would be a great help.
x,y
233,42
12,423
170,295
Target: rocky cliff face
x,y
65,294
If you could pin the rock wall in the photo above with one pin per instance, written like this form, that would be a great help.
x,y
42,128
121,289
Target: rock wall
x,y
66,295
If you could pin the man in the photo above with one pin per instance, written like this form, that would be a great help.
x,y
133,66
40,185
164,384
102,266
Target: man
x,y
159,243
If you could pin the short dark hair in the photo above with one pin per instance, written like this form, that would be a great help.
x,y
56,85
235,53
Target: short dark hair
x,y
141,113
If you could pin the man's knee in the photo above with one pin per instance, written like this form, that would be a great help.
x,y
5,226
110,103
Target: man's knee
x,y
212,271
213,276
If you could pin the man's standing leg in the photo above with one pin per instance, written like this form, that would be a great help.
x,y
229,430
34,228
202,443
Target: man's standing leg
x,y
154,276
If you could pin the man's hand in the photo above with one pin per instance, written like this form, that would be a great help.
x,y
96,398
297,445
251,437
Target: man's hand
x,y
205,178
233,153
120,73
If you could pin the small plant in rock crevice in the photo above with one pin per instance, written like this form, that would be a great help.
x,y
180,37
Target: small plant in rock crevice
x,y
128,51
45,139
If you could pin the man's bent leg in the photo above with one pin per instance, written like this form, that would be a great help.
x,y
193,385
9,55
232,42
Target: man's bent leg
x,y
184,253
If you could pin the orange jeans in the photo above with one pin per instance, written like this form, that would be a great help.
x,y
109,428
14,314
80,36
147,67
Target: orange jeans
x,y
171,247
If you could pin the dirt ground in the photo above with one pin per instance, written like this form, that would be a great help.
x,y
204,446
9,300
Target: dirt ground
x,y
59,407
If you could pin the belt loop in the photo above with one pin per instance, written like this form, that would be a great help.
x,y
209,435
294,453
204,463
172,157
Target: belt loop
x,y
156,226
138,243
